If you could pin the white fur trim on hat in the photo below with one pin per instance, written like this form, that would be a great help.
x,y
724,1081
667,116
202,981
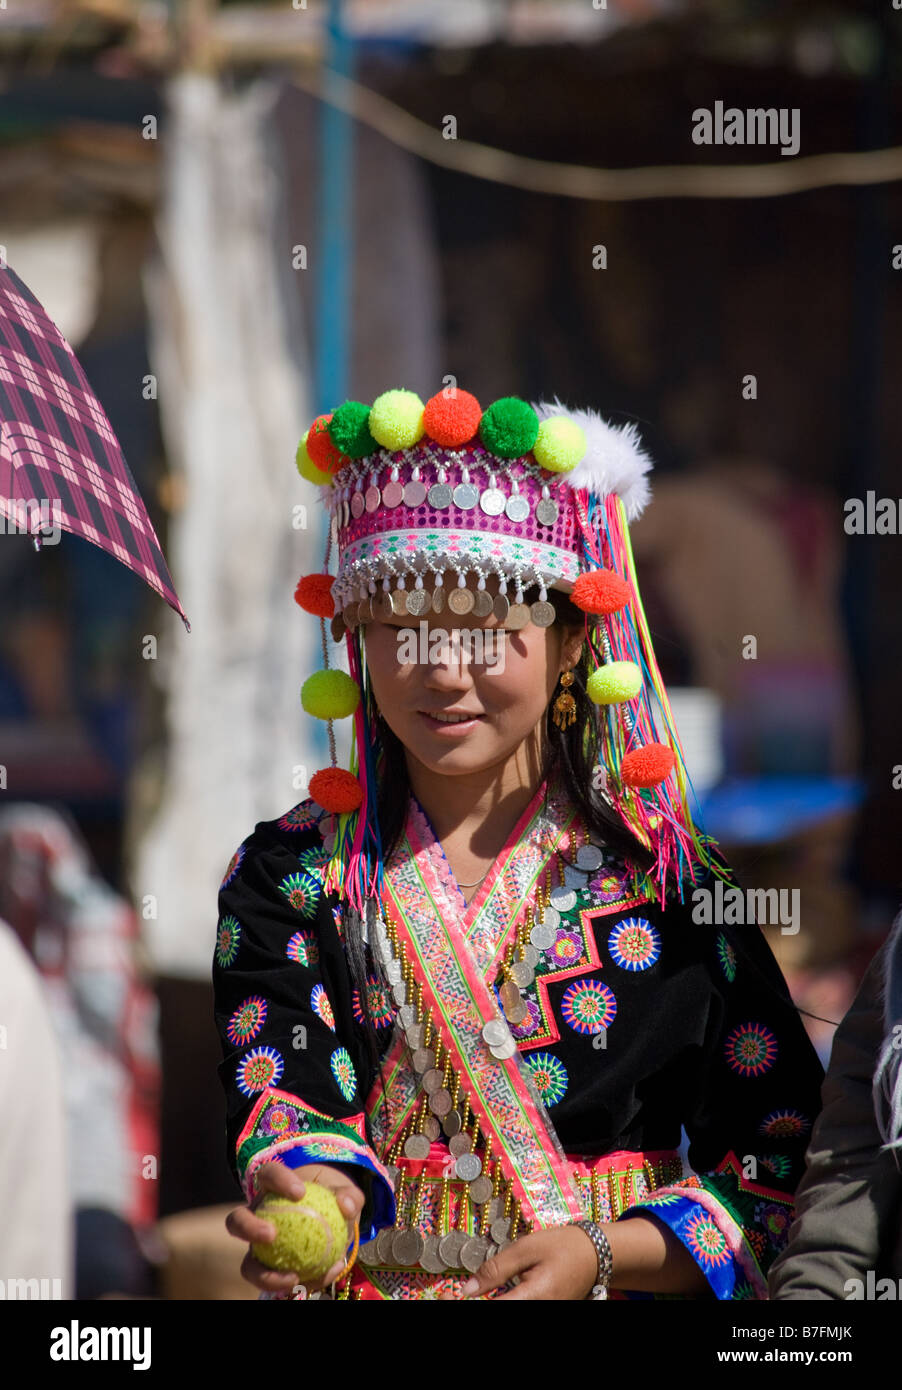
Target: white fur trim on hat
x,y
613,462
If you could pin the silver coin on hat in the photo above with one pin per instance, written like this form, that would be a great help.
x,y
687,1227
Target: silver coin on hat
x,y
393,972
372,497
492,501
407,1017
574,878
368,1254
510,996
416,1146
414,1035
423,1059
461,1142
399,993
392,494
449,1248
465,496
383,1246
432,1129
495,1031
516,507
518,615
407,1247
439,496
418,600
500,1229
441,1103
501,606
505,1051
562,898
439,599
482,603
382,605
546,511
542,613
431,1080
399,602
430,1259
468,1167
358,505
414,493
542,936
517,1014
589,857
550,917
461,600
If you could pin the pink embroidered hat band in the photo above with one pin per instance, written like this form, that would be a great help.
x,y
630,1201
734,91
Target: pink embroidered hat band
x,y
443,503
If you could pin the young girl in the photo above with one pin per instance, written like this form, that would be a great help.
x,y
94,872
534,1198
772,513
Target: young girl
x,y
473,985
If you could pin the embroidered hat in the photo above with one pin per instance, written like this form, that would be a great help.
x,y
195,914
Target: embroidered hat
x,y
537,496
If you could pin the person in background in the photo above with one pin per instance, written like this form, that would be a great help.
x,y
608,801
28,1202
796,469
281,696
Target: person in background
x,y
83,938
847,1233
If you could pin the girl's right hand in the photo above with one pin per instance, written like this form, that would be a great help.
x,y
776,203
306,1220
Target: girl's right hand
x,y
287,1182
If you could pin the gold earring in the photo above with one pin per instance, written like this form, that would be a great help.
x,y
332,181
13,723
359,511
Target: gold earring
x,y
563,711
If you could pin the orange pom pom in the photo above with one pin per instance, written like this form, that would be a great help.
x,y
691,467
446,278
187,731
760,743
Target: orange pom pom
x,y
452,417
647,766
336,790
320,447
600,591
314,595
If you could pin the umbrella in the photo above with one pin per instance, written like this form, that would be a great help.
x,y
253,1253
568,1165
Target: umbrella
x,y
60,461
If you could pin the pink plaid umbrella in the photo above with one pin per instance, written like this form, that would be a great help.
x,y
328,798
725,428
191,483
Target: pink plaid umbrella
x,y
60,462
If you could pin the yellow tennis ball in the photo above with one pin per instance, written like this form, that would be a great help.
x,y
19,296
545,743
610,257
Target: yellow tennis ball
x,y
306,467
560,444
311,1234
396,419
330,694
618,680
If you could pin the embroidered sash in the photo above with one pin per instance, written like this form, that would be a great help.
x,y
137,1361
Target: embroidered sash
x,y
450,949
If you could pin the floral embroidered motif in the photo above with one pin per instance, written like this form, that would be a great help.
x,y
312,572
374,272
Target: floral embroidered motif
x,y
706,1240
378,1003
531,1021
233,866
567,949
300,817
727,957
313,858
279,1121
634,944
303,948
321,1006
303,891
751,1049
228,935
343,1071
784,1124
777,1164
588,1006
259,1069
550,1076
246,1021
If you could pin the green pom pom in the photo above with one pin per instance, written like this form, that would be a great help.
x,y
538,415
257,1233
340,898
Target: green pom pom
x,y
350,432
396,419
330,695
307,468
560,445
311,1234
618,680
509,427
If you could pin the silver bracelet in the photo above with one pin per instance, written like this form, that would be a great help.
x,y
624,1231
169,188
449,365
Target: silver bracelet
x,y
605,1258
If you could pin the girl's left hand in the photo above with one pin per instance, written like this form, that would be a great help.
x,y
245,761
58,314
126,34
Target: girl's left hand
x,y
552,1264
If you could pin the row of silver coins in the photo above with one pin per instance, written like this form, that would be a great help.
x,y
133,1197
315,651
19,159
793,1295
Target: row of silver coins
x,y
384,604
466,496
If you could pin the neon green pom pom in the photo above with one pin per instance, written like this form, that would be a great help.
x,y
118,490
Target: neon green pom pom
x,y
311,1234
560,444
306,467
509,427
618,680
350,432
330,695
396,419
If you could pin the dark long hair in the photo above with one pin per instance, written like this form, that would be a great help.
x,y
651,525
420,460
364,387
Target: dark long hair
x,y
571,757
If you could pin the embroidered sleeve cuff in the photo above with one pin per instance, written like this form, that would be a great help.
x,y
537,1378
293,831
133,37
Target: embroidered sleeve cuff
x,y
702,1235
281,1128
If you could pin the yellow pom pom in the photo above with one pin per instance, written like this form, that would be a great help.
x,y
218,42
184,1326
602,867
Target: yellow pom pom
x,y
560,444
618,680
311,1234
330,695
396,419
307,468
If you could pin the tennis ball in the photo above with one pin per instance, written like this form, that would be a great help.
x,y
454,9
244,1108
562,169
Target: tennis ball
x,y
311,1234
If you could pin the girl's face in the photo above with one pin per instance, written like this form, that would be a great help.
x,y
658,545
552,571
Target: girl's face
x,y
448,664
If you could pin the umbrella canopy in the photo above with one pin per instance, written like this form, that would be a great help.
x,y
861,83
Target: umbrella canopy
x,y
60,461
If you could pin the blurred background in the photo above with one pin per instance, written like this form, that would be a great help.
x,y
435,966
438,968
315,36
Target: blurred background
x,y
240,214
